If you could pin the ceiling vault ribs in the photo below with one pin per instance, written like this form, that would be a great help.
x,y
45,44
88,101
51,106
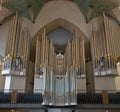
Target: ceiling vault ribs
x,y
89,8
6,19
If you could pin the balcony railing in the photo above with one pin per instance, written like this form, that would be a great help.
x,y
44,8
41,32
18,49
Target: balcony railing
x,y
98,98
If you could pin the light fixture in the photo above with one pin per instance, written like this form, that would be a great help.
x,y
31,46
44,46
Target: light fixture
x,y
118,63
12,110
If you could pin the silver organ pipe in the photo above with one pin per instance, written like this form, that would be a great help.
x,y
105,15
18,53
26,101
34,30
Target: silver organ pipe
x,y
60,71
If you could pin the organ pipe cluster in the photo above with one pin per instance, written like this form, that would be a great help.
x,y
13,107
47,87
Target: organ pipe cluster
x,y
44,53
17,49
104,49
59,71
75,54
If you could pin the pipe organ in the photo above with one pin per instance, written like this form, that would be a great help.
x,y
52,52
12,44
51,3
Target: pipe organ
x,y
17,49
105,51
59,70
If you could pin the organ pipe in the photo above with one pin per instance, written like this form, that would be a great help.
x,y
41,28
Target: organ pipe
x,y
104,48
59,68
17,49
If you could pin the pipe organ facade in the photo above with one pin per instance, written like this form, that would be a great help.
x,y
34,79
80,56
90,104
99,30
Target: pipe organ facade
x,y
60,69
105,51
17,49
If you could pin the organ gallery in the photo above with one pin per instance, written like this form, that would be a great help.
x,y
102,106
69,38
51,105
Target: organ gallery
x,y
60,67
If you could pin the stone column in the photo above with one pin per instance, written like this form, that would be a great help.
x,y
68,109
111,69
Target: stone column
x,y
90,85
29,86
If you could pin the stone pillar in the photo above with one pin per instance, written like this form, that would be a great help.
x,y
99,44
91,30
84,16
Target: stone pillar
x,y
90,85
29,86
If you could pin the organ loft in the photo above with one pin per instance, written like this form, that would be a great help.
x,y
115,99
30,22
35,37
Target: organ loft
x,y
62,56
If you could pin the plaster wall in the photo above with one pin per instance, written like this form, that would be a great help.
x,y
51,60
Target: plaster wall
x,y
13,82
105,83
61,9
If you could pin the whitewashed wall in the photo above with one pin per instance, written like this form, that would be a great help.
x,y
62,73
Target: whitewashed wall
x,y
61,9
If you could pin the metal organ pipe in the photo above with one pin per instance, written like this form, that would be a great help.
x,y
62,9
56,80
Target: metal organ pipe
x,y
17,49
60,69
104,49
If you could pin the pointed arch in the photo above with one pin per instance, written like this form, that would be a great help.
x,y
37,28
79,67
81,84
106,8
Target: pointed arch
x,y
60,22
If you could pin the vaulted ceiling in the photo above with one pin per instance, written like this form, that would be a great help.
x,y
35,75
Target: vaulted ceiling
x,y
17,5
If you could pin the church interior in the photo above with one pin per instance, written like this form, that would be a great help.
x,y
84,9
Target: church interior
x,y
59,55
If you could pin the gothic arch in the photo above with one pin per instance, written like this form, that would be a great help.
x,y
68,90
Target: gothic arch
x,y
59,22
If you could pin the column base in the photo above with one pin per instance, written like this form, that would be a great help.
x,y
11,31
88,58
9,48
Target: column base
x,y
14,82
12,72
38,84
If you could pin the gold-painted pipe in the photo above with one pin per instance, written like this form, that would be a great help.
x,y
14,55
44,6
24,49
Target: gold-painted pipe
x,y
101,43
11,36
108,34
98,44
83,55
45,50
78,50
108,42
41,49
37,55
24,47
106,38
76,34
50,53
72,57
44,36
26,40
17,39
74,51
47,53
93,46
111,45
14,32
19,44
114,53
8,40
